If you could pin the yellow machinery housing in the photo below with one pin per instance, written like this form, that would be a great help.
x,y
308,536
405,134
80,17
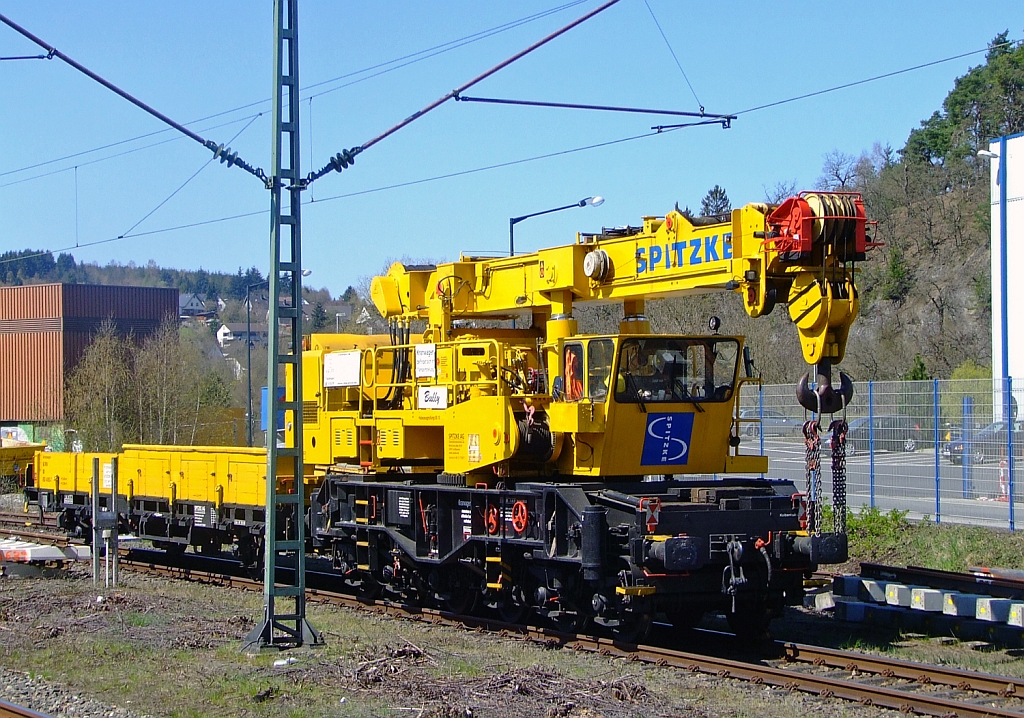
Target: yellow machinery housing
x,y
485,404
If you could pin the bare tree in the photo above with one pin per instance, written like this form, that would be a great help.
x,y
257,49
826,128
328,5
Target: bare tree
x,y
838,171
97,397
779,192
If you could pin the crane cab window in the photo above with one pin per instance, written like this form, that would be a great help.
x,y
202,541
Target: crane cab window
x,y
688,369
600,353
573,372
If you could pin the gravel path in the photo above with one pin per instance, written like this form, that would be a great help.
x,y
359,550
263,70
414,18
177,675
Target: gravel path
x,y
53,699
12,502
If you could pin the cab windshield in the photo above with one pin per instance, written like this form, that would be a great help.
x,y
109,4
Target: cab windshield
x,y
694,369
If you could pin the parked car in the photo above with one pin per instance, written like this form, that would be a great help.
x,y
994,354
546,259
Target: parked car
x,y
891,433
988,444
773,423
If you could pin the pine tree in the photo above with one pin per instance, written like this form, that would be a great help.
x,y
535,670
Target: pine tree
x,y
716,201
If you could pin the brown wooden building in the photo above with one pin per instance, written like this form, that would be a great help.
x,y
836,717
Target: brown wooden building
x,y
45,329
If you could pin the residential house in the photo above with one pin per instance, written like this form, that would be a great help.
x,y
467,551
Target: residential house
x,y
237,332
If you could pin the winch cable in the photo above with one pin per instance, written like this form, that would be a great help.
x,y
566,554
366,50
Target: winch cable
x,y
812,469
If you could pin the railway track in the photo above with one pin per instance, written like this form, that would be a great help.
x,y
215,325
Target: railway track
x,y
10,710
831,673
867,679
20,518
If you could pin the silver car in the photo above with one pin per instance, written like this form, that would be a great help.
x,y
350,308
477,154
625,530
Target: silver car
x,y
773,423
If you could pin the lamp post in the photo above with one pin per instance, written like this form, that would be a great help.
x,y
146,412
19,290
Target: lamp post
x,y
513,221
248,357
248,352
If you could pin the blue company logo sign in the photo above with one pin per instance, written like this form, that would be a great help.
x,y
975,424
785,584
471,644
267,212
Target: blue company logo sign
x,y
667,439
698,250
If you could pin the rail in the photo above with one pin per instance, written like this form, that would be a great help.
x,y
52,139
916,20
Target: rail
x,y
10,710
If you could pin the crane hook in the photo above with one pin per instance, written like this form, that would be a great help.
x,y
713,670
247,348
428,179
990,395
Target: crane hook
x,y
825,399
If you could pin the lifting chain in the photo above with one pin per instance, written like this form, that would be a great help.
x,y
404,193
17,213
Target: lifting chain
x,y
839,428
812,459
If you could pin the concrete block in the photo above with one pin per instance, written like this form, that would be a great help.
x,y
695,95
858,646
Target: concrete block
x,y
1016,617
960,604
824,601
871,590
926,599
852,611
846,586
898,594
887,616
995,610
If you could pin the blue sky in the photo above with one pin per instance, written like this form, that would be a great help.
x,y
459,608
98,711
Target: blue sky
x,y
196,59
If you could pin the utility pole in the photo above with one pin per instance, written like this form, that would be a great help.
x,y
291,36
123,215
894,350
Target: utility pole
x,y
285,627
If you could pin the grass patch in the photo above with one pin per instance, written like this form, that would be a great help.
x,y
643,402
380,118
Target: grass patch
x,y
889,537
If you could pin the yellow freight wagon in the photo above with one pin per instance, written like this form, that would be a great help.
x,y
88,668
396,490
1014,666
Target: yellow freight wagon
x,y
15,458
174,496
66,478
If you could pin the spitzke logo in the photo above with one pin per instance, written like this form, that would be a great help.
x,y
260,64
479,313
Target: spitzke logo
x,y
667,439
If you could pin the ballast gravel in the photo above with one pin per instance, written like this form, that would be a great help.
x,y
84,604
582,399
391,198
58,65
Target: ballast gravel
x,y
53,699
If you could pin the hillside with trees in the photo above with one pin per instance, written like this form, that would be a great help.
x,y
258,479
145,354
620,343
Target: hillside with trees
x,y
926,294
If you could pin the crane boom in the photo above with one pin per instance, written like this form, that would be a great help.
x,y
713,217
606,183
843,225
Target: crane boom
x,y
801,253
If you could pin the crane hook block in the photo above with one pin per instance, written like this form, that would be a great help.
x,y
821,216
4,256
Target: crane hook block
x,y
824,399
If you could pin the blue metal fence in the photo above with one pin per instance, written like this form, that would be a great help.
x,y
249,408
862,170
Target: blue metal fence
x,y
943,450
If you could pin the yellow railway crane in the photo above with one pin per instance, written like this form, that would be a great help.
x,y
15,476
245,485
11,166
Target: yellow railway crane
x,y
583,477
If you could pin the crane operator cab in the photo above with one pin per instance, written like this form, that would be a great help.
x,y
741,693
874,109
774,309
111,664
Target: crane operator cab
x,y
652,398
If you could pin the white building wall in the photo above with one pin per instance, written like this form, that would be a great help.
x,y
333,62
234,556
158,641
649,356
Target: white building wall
x,y
1011,151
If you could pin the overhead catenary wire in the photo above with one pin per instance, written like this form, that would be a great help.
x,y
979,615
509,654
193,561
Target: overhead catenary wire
x,y
219,151
605,108
436,50
674,57
47,56
894,73
357,193
343,159
116,155
425,54
654,132
183,184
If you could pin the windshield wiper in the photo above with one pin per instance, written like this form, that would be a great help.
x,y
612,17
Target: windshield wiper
x,y
631,382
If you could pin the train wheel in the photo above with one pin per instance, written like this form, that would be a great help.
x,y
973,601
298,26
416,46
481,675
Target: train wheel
x,y
363,586
632,627
514,608
460,601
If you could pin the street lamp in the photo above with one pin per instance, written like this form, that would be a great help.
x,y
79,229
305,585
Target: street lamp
x,y
513,221
248,356
248,351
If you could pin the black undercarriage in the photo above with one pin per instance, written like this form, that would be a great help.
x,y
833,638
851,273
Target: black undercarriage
x,y
617,554
613,553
